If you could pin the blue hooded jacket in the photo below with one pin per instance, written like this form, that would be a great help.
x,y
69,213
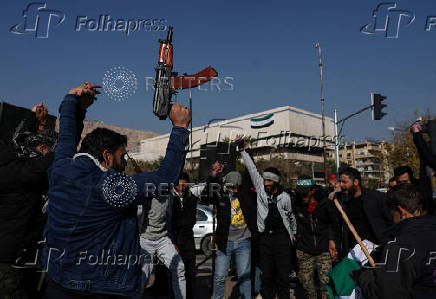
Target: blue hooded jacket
x,y
92,237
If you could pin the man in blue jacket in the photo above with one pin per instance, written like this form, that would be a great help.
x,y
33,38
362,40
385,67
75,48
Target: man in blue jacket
x,y
92,239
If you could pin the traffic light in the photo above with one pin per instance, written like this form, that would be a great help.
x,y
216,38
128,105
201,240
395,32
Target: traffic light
x,y
377,106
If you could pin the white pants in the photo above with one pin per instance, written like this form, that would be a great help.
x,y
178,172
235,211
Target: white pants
x,y
167,254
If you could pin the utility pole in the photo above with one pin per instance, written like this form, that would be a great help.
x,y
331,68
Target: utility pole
x,y
324,151
191,142
337,144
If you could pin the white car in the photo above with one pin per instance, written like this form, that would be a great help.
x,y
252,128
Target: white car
x,y
203,229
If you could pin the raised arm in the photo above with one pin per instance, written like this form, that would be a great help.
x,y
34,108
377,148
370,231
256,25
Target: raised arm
x,y
145,185
425,154
72,112
256,178
171,165
213,187
122,191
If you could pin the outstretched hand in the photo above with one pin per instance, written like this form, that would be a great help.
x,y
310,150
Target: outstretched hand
x,y
240,142
416,128
180,116
38,107
85,94
41,114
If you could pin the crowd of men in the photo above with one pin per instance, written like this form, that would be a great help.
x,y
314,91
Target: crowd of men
x,y
74,225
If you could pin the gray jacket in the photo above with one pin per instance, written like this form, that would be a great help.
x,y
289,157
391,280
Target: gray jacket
x,y
283,200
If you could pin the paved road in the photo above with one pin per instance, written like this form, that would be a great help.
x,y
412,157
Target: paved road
x,y
204,282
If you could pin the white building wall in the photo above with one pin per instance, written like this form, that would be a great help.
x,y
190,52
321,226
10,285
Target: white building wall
x,y
287,120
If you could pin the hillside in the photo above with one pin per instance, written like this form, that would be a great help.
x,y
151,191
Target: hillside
x,y
133,136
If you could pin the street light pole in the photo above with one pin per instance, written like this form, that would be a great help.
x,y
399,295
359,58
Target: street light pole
x,y
191,141
337,122
318,46
393,129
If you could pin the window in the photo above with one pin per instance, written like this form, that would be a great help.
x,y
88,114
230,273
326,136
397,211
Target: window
x,y
201,216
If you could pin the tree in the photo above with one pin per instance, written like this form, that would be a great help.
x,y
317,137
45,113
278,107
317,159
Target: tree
x,y
371,183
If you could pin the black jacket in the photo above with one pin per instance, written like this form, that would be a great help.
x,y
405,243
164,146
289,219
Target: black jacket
x,y
377,214
406,265
315,230
426,158
23,181
22,184
247,200
184,218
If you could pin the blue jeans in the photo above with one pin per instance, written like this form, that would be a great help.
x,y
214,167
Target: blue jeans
x,y
242,251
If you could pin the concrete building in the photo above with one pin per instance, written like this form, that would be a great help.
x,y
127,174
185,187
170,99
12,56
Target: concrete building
x,y
368,157
291,133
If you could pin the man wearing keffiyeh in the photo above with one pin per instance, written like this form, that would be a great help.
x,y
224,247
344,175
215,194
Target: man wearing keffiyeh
x,y
23,183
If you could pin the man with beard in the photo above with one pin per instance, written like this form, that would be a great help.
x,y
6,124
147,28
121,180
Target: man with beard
x,y
366,210
183,220
277,227
317,233
23,183
92,245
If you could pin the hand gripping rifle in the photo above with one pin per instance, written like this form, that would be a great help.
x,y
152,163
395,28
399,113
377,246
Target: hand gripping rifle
x,y
167,81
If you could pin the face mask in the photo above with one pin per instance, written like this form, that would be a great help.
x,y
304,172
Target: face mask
x,y
269,189
232,193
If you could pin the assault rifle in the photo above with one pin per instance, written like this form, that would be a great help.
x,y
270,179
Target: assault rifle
x,y
167,81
